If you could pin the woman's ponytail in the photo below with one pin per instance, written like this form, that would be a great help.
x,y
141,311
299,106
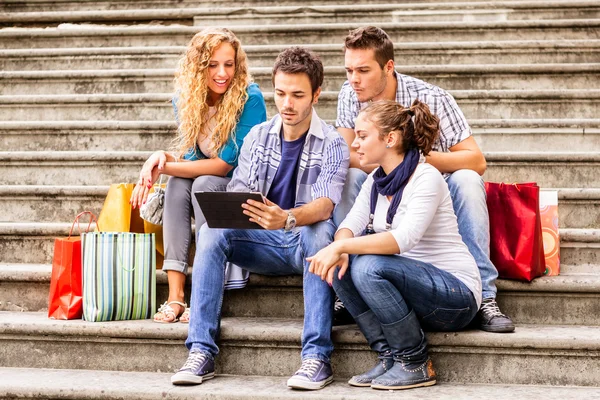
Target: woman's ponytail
x,y
426,127
418,127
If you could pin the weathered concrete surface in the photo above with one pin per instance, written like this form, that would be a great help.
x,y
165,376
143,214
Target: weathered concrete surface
x,y
555,355
415,53
450,77
476,104
109,385
278,14
492,135
561,300
576,29
89,168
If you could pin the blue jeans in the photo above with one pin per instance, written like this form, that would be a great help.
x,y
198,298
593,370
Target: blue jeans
x,y
393,286
468,198
266,252
354,181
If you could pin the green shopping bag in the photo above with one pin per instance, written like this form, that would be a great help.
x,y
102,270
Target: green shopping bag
x,y
119,275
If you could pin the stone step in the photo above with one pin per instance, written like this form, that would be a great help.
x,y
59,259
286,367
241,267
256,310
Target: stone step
x,y
33,383
476,104
550,170
347,13
77,5
579,248
477,52
97,36
450,77
74,168
552,300
545,135
542,135
578,208
95,5
559,355
87,135
361,13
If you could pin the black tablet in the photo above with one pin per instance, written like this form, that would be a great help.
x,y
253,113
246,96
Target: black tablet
x,y
224,209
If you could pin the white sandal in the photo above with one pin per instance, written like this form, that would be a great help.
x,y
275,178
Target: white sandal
x,y
166,310
186,312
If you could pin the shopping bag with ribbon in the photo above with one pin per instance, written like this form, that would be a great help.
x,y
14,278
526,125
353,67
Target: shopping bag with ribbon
x,y
119,276
64,299
516,245
117,215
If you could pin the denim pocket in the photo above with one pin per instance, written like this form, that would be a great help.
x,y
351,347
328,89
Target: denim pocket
x,y
447,319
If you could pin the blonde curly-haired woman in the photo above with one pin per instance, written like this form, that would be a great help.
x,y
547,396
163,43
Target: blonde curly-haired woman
x,y
216,105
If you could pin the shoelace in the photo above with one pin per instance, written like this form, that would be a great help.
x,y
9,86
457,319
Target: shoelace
x,y
194,361
491,309
338,305
309,367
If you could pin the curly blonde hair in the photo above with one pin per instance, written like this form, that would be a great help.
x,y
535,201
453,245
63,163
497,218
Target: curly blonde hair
x,y
191,85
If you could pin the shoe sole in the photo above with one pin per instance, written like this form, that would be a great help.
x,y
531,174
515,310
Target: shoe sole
x,y
416,385
497,329
358,384
186,378
305,385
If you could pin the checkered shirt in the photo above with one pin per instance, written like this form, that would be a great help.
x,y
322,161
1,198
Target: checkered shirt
x,y
453,125
321,172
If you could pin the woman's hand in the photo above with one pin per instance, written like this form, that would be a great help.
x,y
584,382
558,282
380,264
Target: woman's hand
x,y
151,170
153,167
324,262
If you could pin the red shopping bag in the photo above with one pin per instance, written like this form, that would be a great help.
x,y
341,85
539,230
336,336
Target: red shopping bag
x,y
516,245
64,300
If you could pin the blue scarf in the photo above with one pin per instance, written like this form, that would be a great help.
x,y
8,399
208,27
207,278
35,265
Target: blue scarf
x,y
392,185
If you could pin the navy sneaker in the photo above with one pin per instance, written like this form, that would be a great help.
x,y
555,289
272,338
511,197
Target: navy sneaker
x,y
198,368
313,374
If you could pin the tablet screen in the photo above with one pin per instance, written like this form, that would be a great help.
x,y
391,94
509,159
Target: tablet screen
x,y
224,209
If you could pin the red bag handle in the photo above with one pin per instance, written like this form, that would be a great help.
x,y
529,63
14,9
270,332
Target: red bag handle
x,y
92,219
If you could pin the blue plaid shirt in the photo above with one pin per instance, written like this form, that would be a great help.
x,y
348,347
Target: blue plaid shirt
x,y
321,172
453,124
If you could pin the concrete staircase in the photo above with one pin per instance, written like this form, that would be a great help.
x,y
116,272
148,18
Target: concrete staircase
x,y
84,98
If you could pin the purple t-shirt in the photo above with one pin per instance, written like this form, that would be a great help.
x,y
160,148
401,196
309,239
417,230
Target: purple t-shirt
x,y
283,188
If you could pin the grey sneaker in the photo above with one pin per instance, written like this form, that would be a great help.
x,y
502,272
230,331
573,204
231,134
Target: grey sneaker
x,y
313,374
492,319
198,368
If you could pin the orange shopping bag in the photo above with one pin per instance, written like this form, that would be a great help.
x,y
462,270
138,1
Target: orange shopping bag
x,y
117,215
64,299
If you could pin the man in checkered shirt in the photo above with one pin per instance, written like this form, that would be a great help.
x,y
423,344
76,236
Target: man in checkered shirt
x,y
369,63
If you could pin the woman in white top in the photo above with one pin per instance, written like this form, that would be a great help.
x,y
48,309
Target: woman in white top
x,y
409,267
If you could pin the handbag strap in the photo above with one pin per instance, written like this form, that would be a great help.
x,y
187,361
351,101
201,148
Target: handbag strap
x,y
92,219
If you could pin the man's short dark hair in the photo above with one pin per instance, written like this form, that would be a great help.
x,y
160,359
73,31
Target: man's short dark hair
x,y
371,37
298,60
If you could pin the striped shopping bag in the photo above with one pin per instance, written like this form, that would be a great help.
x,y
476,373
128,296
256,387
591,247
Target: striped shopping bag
x,y
119,275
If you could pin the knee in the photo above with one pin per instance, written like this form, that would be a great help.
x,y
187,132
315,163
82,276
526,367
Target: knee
x,y
210,239
355,178
178,188
365,270
316,236
466,183
209,183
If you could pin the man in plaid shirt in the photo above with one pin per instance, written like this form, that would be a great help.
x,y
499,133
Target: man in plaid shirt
x,y
299,163
369,63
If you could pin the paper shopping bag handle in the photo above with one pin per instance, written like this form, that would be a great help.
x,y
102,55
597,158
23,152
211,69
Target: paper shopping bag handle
x,y
92,219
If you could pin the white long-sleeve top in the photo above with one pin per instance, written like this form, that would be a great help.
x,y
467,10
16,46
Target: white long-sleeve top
x,y
424,226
